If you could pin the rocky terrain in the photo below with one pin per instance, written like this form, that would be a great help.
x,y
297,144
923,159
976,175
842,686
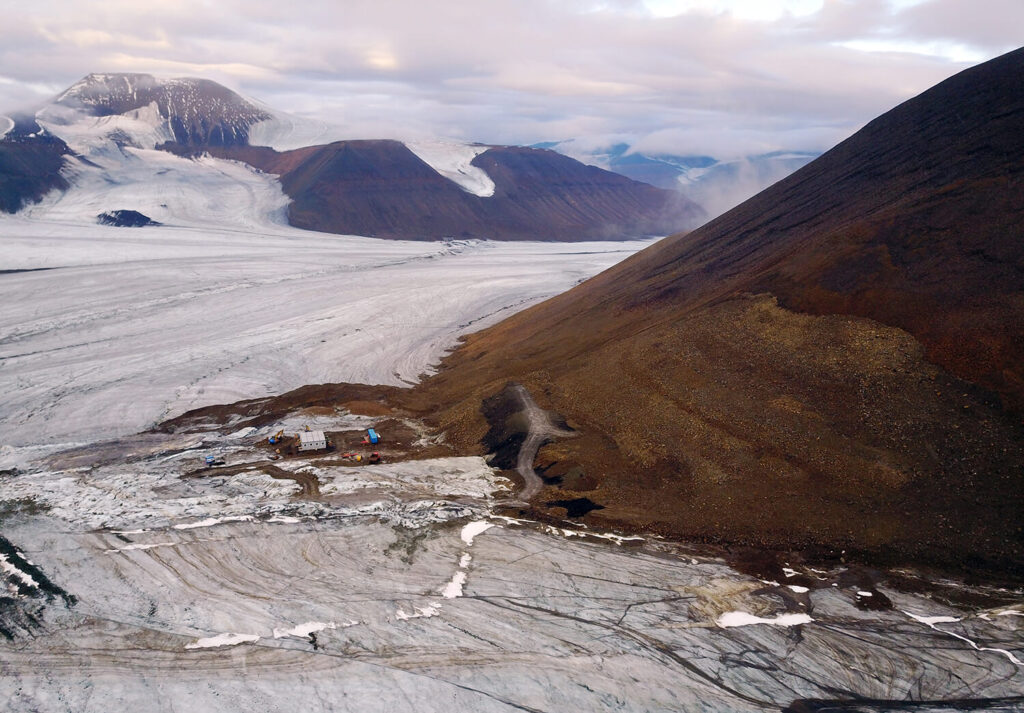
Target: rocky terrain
x,y
834,365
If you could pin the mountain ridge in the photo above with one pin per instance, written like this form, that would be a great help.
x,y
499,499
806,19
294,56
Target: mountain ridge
x,y
106,124
383,189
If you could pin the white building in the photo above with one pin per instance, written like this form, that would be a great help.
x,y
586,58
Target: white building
x,y
312,440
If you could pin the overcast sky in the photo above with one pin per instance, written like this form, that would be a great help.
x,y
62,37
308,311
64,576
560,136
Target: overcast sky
x,y
724,77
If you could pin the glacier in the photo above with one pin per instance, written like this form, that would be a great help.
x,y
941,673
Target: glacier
x,y
130,578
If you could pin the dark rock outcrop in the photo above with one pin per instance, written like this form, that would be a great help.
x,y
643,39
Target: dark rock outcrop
x,y
30,165
125,219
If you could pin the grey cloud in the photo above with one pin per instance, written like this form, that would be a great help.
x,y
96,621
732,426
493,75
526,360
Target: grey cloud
x,y
987,24
506,71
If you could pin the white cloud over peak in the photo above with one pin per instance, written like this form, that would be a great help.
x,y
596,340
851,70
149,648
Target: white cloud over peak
x,y
710,72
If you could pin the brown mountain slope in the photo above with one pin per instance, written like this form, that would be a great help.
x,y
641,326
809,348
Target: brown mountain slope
x,y
382,189
837,362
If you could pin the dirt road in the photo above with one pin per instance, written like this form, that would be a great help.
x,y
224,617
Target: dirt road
x,y
541,428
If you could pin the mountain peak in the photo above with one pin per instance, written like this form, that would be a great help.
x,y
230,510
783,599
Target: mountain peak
x,y
199,111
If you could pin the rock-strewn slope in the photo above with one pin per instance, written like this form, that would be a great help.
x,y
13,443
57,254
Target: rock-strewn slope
x,y
837,362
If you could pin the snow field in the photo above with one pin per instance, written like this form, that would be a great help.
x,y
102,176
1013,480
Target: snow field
x,y
133,326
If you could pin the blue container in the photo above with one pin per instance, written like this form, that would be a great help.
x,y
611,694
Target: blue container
x,y
372,435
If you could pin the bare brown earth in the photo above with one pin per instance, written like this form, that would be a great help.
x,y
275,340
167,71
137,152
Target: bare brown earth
x,y
837,363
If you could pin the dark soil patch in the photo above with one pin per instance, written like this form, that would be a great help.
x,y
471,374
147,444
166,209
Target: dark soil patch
x,y
508,427
577,507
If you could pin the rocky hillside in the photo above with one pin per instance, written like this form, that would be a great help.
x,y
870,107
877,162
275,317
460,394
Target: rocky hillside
x,y
837,363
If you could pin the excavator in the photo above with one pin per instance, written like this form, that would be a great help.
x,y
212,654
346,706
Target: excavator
x,y
276,437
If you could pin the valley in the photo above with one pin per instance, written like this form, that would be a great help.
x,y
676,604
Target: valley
x,y
475,459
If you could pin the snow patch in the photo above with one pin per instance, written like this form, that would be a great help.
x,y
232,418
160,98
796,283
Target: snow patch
x,y
610,536
243,433
454,161
477,527
931,621
213,642
512,520
798,589
6,124
453,589
738,618
419,612
9,567
211,521
302,631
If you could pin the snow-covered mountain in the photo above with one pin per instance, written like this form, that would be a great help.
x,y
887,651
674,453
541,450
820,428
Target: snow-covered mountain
x,y
188,111
190,151
715,184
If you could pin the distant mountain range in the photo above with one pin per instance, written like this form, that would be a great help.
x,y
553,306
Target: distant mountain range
x,y
836,365
115,142
716,185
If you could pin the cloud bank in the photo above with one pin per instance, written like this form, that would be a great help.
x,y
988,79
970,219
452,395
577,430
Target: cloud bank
x,y
724,77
